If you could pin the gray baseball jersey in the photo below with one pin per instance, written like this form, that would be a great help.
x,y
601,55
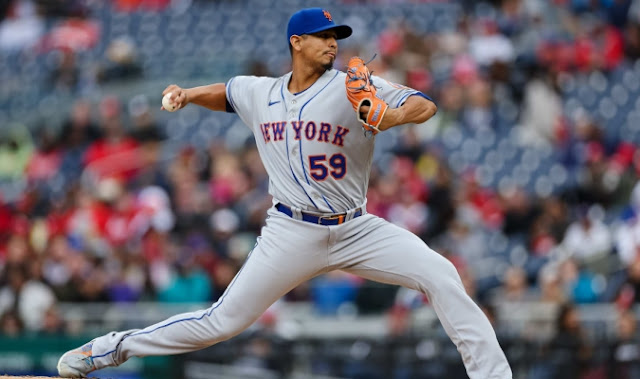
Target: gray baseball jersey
x,y
318,158
314,149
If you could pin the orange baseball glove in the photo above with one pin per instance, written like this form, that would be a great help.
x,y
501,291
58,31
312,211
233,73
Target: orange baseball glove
x,y
361,92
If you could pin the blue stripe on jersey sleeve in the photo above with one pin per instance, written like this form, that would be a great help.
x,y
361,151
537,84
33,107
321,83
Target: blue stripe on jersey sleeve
x,y
229,97
228,107
417,93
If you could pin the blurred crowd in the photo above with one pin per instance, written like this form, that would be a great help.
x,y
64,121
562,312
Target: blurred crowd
x,y
107,216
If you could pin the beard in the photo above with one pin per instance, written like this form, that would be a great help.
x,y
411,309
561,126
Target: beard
x,y
328,66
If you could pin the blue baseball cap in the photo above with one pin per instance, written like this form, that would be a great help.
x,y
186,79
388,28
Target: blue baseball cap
x,y
314,20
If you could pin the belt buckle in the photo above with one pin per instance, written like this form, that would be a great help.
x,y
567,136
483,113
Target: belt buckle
x,y
339,217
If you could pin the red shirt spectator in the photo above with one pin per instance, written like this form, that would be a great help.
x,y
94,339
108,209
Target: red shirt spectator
x,y
43,165
113,158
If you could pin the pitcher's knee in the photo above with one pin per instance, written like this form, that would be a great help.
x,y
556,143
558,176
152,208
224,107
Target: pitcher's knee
x,y
442,277
446,270
231,327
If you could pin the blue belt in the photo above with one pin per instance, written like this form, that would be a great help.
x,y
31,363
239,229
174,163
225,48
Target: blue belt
x,y
335,219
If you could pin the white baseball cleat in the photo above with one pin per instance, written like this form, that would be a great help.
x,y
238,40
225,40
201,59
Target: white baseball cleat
x,y
76,363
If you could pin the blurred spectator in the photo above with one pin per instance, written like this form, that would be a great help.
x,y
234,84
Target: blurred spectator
x,y
31,299
624,358
87,222
542,238
10,324
541,115
56,268
260,354
147,131
409,213
479,113
375,298
74,34
450,107
18,249
570,351
514,288
441,203
62,8
191,198
627,231
15,152
53,323
555,214
65,75
4,8
224,225
519,212
624,286
89,280
477,205
79,130
488,45
258,68
632,38
151,211
464,239
127,278
45,162
224,271
22,27
381,194
114,155
144,126
580,285
410,145
588,239
7,218
145,5
122,62
188,283
549,282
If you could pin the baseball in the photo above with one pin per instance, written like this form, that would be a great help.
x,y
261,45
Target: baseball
x,y
168,104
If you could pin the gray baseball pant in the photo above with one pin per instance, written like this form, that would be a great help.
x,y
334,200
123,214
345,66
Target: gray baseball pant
x,y
290,252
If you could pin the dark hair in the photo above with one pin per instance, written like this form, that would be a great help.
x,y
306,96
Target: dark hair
x,y
564,311
20,269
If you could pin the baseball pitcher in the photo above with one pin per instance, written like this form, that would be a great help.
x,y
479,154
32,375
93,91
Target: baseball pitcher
x,y
315,129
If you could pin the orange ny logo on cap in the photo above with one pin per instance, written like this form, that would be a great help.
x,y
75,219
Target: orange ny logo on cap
x,y
327,15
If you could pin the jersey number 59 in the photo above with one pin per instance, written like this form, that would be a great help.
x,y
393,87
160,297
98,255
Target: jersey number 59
x,y
320,167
